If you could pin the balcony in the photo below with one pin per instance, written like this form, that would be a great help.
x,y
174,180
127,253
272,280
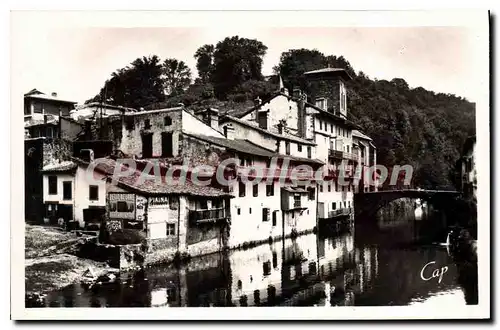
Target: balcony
x,y
339,212
210,215
337,154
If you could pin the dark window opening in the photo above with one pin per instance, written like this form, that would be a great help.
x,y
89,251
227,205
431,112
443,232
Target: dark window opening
x,y
52,185
265,214
250,211
262,119
37,108
287,148
129,123
166,144
67,192
238,211
93,193
329,187
312,193
170,229
334,206
270,189
299,147
266,266
173,203
241,188
167,121
147,124
321,188
256,297
275,259
309,152
147,145
255,190
275,216
203,204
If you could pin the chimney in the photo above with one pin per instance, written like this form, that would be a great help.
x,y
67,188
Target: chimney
x,y
54,94
297,93
229,132
257,102
214,118
90,153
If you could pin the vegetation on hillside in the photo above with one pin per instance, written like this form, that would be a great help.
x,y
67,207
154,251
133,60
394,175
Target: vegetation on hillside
x,y
408,125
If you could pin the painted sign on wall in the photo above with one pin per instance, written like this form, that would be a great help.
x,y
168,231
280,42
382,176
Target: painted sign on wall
x,y
121,206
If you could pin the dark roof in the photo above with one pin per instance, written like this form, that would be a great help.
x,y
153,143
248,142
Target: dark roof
x,y
334,116
239,113
257,128
151,185
329,72
41,96
248,147
238,145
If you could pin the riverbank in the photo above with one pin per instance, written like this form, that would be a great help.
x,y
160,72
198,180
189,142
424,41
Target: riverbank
x,y
50,262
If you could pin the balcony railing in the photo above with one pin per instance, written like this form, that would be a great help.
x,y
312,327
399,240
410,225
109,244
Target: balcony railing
x,y
210,215
339,212
343,155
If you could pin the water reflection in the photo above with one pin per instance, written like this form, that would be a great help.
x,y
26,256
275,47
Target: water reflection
x,y
307,271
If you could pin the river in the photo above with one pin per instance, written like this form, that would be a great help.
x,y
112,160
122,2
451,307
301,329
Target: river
x,y
362,267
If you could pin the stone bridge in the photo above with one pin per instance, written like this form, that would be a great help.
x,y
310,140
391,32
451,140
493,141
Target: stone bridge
x,y
367,204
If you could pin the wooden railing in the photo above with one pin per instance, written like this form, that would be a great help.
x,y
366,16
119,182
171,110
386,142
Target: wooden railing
x,y
207,215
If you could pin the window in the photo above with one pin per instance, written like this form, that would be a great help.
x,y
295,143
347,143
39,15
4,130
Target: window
x,y
349,203
331,128
266,266
67,192
287,147
50,132
256,297
349,187
166,144
242,161
270,189
299,147
94,193
250,210
265,214
320,125
170,229
147,145
321,188
345,204
309,152
296,200
329,187
262,119
52,185
255,190
167,121
312,193
37,108
147,124
173,202
336,186
275,218
129,123
334,206
203,204
241,189
238,211
347,148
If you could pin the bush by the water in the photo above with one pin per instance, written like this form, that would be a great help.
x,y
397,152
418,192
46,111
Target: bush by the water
x,y
123,237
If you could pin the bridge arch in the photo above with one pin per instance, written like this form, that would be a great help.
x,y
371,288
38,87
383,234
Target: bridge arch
x,y
367,204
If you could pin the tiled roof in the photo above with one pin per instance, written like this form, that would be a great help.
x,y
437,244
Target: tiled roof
x,y
151,185
358,134
63,166
329,70
48,97
105,105
278,136
238,145
248,147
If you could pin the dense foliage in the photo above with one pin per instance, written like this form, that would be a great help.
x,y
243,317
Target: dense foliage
x,y
408,125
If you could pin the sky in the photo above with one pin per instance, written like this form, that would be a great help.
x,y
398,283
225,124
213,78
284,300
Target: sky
x,y
75,62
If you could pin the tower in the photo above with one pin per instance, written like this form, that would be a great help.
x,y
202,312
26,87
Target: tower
x,y
327,89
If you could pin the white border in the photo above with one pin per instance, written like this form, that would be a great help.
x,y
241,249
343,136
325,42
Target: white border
x,y
469,18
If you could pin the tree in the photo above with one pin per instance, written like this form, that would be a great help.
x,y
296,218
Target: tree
x,y
205,62
236,60
136,85
295,62
177,76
